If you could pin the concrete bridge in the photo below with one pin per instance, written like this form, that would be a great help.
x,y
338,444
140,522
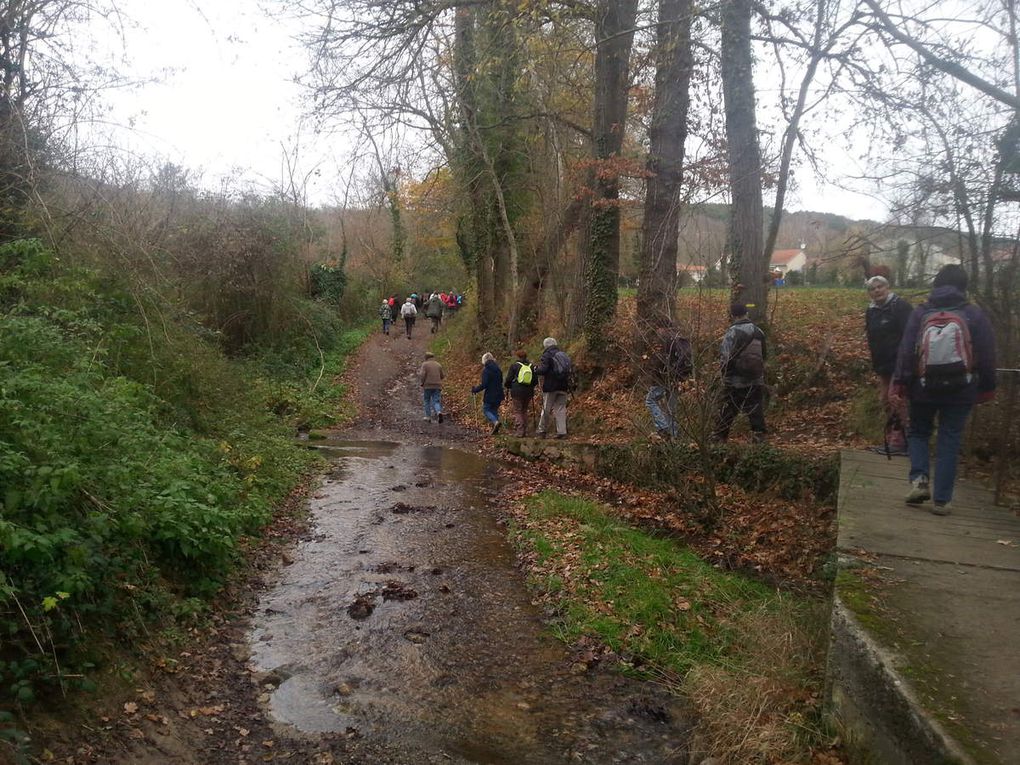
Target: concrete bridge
x,y
924,665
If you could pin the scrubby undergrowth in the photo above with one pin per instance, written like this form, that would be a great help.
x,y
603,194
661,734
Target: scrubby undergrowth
x,y
135,458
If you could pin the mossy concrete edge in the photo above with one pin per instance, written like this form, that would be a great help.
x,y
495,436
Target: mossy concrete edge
x,y
875,706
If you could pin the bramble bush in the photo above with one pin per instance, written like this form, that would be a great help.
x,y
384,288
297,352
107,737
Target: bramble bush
x,y
132,460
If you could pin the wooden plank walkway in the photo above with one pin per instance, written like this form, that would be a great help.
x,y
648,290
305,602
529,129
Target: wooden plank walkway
x,y
946,598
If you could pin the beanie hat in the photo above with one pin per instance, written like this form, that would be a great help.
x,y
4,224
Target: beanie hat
x,y
951,275
737,310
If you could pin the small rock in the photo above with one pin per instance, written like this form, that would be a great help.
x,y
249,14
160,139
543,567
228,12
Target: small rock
x,y
343,689
362,607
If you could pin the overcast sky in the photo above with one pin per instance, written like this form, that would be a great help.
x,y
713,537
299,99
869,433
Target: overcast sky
x,y
225,102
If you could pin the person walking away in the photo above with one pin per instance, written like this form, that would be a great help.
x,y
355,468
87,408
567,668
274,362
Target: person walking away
x,y
670,364
520,383
945,365
394,309
386,316
555,369
434,311
408,312
492,385
742,358
430,377
884,322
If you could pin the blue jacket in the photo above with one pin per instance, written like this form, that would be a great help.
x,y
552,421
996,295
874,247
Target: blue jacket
x,y
982,340
492,384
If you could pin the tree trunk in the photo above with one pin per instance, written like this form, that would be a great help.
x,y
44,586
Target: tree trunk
x,y
614,35
667,134
748,268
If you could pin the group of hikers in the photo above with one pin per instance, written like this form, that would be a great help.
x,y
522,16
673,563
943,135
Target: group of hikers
x,y
435,307
932,363
554,367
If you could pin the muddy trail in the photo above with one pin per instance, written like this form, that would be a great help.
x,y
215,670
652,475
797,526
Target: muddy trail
x,y
399,629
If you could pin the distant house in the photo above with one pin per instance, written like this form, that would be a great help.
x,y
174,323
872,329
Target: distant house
x,y
785,261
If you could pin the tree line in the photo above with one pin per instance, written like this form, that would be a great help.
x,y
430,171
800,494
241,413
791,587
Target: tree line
x,y
556,118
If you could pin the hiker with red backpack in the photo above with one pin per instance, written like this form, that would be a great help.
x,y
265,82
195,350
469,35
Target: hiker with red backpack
x,y
520,383
946,364
742,359
884,322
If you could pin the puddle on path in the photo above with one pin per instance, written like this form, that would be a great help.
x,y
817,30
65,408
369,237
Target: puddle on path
x,y
405,619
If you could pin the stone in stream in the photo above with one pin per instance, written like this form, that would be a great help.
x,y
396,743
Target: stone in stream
x,y
362,607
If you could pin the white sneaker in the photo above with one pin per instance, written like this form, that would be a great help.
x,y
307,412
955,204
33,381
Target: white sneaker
x,y
920,493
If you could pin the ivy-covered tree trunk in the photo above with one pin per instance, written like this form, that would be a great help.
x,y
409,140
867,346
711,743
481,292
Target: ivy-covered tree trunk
x,y
614,35
667,134
748,268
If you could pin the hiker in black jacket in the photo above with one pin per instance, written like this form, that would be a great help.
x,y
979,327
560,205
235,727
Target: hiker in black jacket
x,y
554,368
520,382
884,322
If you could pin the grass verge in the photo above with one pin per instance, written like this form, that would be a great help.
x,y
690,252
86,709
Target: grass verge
x,y
750,658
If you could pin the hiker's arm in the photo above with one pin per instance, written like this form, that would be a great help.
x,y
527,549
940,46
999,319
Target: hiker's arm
x,y
983,340
906,363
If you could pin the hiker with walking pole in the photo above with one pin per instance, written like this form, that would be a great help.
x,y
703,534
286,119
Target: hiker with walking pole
x,y
884,322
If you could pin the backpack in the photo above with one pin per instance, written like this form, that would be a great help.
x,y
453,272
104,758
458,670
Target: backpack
x,y
749,362
676,357
945,358
525,375
561,364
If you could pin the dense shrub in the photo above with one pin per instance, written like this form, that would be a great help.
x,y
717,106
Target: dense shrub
x,y
132,459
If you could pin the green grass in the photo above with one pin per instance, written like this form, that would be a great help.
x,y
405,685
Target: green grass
x,y
642,594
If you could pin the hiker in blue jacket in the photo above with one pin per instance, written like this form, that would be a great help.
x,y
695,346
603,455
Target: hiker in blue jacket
x,y
945,365
492,384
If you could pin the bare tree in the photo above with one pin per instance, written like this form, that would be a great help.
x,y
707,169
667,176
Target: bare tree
x,y
667,135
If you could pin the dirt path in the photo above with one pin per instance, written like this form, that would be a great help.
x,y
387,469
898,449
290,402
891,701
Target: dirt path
x,y
399,630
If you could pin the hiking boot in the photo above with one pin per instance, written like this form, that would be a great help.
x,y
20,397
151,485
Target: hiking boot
x,y
427,419
561,436
920,493
542,434
663,434
941,508
496,427
440,416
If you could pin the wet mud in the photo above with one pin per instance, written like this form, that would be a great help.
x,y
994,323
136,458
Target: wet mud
x,y
403,620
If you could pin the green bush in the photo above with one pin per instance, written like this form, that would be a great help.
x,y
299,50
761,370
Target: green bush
x,y
133,459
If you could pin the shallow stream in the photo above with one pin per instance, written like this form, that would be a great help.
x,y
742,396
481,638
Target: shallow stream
x,y
405,619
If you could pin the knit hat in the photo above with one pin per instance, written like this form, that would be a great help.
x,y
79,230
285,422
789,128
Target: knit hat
x,y
737,310
951,275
